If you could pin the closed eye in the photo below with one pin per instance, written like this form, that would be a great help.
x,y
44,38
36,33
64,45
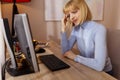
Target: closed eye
x,y
75,11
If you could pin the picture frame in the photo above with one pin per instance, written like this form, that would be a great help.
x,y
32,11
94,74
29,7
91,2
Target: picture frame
x,y
53,9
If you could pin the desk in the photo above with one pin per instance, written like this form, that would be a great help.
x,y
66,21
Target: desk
x,y
77,71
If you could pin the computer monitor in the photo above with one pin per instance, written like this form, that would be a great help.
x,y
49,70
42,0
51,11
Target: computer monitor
x,y
8,41
23,33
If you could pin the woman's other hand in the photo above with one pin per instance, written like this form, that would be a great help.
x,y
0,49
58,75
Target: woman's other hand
x,y
70,55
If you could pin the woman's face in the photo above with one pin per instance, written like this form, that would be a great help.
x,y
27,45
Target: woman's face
x,y
74,16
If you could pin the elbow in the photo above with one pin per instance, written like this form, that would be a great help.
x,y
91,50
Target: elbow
x,y
99,67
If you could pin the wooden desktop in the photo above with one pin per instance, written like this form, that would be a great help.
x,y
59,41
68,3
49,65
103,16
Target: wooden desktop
x,y
76,71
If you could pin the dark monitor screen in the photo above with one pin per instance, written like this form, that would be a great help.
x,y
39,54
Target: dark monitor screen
x,y
8,41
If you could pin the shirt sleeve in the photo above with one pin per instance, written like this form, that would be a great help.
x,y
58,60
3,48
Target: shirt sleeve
x,y
66,43
100,53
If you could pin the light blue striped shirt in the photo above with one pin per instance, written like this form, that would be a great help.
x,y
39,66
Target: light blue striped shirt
x,y
90,38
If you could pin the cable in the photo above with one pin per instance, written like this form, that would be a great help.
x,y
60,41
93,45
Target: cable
x,y
6,65
3,68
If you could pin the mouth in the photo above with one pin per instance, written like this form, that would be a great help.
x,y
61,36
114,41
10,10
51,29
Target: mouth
x,y
74,21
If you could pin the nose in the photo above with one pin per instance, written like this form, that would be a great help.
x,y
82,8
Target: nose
x,y
72,17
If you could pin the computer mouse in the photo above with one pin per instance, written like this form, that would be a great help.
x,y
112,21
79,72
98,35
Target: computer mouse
x,y
41,50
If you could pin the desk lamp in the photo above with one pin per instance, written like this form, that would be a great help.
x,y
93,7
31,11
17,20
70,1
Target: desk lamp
x,y
15,10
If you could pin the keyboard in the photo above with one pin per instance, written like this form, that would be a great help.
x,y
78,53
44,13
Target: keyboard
x,y
53,62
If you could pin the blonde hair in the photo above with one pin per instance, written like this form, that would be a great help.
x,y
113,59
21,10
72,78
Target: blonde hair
x,y
82,6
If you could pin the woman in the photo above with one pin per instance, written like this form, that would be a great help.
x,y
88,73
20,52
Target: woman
x,y
89,36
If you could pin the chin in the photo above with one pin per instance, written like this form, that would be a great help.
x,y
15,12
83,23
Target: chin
x,y
76,24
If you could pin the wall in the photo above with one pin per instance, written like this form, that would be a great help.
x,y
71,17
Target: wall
x,y
43,30
47,30
111,14
35,12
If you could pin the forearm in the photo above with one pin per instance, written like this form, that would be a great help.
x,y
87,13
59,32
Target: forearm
x,y
66,44
91,62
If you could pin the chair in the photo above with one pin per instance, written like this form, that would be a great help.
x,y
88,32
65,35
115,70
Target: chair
x,y
113,43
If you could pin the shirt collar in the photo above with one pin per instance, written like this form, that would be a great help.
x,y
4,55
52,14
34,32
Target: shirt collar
x,y
83,25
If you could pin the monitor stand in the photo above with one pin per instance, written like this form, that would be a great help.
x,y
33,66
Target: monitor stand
x,y
23,68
